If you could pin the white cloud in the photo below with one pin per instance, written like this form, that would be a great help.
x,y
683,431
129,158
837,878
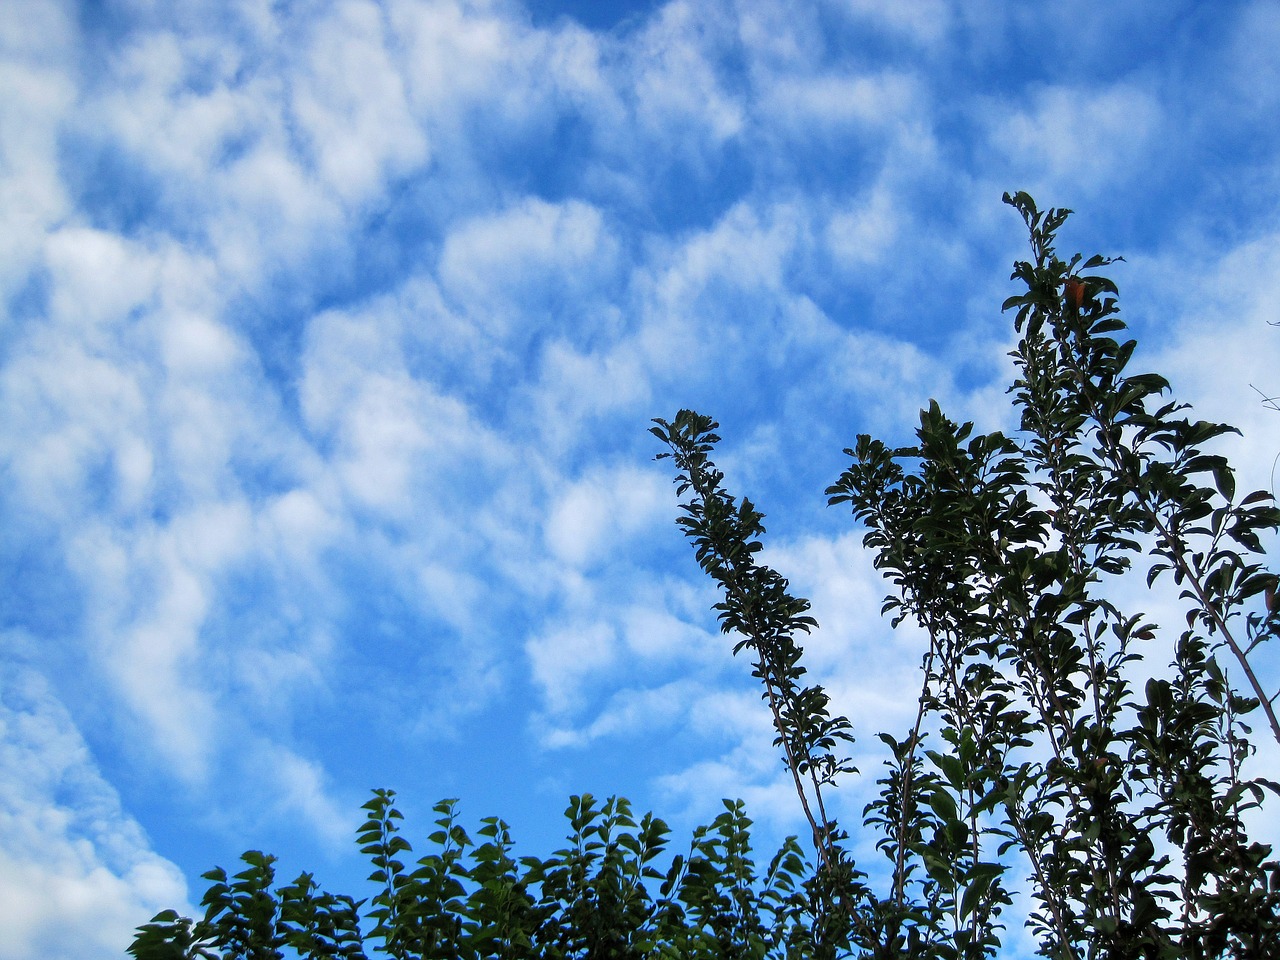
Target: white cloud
x,y
828,103
679,99
272,214
150,604
197,347
1077,142
79,412
384,432
745,246
146,418
300,793
77,873
862,234
1256,76
512,271
38,44
635,713
593,517
926,21
458,55
454,594
30,196
891,380
780,38
640,640
657,629
158,111
299,524
97,278
705,298
870,671
576,388
393,435
575,60
353,106
210,127
749,773
1211,335
563,656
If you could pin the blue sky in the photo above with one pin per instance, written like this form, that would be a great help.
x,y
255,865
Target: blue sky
x,y
331,333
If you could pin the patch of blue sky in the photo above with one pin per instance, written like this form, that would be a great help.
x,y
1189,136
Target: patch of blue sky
x,y
596,15
111,189
41,594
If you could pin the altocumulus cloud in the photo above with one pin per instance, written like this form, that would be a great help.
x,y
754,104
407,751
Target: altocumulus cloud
x,y
331,332
75,869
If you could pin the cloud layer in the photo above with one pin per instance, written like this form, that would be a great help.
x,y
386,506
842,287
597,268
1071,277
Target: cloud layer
x,y
331,333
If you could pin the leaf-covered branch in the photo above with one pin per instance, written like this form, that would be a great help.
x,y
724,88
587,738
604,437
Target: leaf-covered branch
x,y
759,608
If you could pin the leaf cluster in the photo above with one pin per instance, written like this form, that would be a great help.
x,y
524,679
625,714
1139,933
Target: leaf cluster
x,y
759,607
1113,786
610,894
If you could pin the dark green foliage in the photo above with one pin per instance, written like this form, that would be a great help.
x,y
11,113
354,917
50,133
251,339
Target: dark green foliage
x,y
1063,757
759,609
603,897
1001,548
1047,751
